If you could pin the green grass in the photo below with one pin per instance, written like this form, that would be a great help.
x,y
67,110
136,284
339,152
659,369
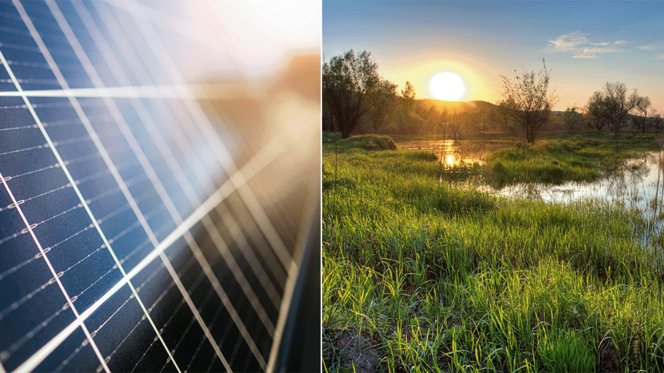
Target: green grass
x,y
367,142
439,276
558,160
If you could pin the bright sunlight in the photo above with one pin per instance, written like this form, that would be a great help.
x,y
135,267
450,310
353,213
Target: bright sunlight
x,y
447,86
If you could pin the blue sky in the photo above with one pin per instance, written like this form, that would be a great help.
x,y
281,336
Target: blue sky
x,y
585,44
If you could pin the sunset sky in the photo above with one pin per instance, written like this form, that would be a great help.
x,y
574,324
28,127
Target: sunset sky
x,y
585,44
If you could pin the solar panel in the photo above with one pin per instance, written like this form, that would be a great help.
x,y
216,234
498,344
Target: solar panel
x,y
149,220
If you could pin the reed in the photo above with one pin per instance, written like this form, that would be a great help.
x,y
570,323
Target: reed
x,y
440,276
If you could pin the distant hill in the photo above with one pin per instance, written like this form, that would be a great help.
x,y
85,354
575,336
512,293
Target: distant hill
x,y
468,106
459,106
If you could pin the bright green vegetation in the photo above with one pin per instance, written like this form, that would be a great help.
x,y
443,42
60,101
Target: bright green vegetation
x,y
559,160
425,276
367,142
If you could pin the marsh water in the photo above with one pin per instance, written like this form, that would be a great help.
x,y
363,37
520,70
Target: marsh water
x,y
454,153
636,182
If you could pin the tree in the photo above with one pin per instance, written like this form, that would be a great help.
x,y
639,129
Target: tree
x,y
443,122
644,111
347,80
618,104
477,121
404,114
528,101
380,100
657,122
572,118
455,123
431,119
596,110
493,120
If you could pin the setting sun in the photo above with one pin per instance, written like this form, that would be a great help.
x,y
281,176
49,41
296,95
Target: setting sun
x,y
447,86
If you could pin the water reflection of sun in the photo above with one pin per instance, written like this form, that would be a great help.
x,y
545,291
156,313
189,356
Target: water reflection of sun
x,y
449,160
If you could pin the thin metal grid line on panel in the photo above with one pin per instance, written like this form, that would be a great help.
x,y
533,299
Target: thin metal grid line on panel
x,y
55,275
126,49
145,163
28,225
213,197
206,127
245,192
175,167
100,148
257,163
164,91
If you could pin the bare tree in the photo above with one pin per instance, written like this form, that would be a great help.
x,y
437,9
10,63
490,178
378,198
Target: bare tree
x,y
643,111
346,81
528,100
443,122
618,104
455,123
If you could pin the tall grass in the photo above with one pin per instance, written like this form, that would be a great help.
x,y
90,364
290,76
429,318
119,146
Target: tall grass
x,y
443,277
558,160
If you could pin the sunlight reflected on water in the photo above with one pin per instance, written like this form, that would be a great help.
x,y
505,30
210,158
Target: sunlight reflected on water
x,y
635,182
454,153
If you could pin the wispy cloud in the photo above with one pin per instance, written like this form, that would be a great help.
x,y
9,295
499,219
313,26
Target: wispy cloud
x,y
568,42
585,55
660,57
579,43
592,52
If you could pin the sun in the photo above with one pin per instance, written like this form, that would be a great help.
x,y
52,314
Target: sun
x,y
447,86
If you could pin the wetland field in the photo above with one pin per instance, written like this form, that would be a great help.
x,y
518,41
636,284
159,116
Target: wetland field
x,y
489,254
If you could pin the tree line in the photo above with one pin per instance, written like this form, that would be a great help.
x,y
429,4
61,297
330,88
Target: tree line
x,y
356,98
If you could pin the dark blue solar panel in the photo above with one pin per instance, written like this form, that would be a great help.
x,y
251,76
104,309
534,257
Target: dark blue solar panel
x,y
130,239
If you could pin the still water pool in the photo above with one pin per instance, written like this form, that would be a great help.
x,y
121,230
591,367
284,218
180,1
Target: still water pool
x,y
635,183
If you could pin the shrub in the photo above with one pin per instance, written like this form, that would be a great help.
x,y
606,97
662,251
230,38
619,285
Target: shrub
x,y
369,142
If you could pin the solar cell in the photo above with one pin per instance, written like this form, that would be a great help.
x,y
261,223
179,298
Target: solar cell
x,y
141,230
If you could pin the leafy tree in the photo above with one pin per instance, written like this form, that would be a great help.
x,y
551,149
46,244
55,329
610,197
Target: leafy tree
x,y
431,118
493,120
528,101
328,121
497,119
597,111
380,101
347,79
404,116
477,121
572,118
424,120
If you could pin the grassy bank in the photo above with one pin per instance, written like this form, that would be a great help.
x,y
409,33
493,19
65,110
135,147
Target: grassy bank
x,y
579,158
425,276
555,158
